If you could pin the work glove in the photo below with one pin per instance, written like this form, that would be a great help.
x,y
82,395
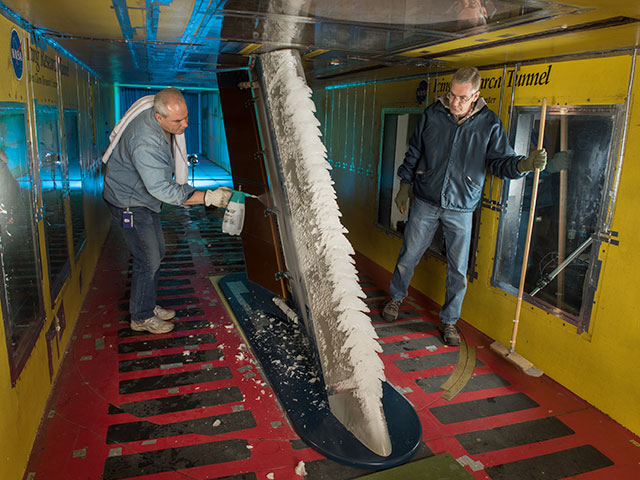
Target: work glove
x,y
402,197
560,161
536,159
217,198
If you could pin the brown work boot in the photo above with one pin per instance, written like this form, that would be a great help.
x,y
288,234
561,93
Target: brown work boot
x,y
390,311
450,334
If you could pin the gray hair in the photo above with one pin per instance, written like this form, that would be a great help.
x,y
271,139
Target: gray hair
x,y
166,97
468,75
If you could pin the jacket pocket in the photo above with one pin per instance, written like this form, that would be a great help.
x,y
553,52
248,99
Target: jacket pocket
x,y
471,184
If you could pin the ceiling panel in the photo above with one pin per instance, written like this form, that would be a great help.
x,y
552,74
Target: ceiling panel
x,y
186,42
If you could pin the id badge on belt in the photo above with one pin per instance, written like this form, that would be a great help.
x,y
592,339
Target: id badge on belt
x,y
127,219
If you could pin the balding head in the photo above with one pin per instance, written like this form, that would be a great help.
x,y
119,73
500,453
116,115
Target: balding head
x,y
170,110
166,97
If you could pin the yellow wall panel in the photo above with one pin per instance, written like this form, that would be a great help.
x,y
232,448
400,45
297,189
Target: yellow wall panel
x,y
23,404
18,423
12,87
42,69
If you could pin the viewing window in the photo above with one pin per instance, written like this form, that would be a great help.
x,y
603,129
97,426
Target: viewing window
x,y
76,194
53,178
571,209
397,128
21,297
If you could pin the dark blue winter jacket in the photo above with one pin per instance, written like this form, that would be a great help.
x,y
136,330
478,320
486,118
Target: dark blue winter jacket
x,y
447,161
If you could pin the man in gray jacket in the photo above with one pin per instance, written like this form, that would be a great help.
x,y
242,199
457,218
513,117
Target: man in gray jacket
x,y
139,178
454,143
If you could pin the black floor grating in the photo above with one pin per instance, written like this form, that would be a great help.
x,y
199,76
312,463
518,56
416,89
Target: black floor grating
x,y
429,361
164,343
213,425
514,435
178,326
553,466
476,382
166,361
178,403
485,407
173,380
177,458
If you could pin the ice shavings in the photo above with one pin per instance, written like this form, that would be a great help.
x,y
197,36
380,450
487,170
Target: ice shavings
x,y
300,469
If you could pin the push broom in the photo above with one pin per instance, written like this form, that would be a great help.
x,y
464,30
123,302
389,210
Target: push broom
x,y
510,353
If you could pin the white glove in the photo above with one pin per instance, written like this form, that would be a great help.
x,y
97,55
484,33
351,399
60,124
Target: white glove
x,y
217,198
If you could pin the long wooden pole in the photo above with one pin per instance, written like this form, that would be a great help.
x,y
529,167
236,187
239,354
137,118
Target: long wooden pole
x,y
527,244
562,213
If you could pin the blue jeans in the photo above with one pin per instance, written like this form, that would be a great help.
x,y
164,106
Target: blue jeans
x,y
421,227
146,244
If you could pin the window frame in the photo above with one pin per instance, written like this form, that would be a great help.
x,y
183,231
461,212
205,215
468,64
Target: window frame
x,y
19,354
604,219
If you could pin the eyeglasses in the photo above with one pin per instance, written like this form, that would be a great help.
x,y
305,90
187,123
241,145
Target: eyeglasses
x,y
461,98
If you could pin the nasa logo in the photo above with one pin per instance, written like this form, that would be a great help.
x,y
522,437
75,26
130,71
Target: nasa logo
x,y
16,54
422,91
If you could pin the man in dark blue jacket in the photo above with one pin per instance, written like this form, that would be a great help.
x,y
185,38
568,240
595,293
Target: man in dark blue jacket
x,y
456,140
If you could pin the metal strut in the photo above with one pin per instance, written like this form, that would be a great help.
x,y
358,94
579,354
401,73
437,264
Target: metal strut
x,y
544,281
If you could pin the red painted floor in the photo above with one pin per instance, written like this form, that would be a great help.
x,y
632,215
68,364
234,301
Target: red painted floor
x,y
193,404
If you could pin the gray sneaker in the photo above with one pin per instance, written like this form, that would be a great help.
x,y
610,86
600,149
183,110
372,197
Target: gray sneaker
x,y
164,313
390,312
151,325
450,334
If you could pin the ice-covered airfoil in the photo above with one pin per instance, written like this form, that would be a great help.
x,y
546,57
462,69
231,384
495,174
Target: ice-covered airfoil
x,y
319,256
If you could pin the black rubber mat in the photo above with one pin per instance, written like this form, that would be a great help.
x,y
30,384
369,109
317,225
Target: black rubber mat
x,y
172,282
214,425
178,326
287,358
411,345
163,343
376,293
178,403
172,459
174,302
476,382
190,311
170,266
172,380
298,444
166,361
376,303
514,435
553,466
179,258
425,362
176,273
486,407
165,292
405,328
402,315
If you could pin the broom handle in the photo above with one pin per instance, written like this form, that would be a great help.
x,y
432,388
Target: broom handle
x,y
527,244
562,212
